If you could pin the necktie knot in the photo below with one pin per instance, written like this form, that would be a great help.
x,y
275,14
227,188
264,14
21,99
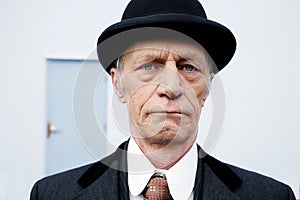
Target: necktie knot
x,y
157,188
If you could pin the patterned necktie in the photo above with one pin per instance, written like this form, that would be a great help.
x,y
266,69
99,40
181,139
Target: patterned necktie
x,y
157,188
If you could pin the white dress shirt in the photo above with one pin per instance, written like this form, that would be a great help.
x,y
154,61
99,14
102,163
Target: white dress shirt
x,y
180,177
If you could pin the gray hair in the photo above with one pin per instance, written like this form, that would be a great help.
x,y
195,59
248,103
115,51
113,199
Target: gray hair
x,y
118,63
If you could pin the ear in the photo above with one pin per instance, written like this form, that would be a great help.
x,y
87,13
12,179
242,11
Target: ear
x,y
115,78
211,76
205,97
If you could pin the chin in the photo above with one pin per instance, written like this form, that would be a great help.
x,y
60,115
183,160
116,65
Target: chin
x,y
168,137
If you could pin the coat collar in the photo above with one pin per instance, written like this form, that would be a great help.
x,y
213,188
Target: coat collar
x,y
214,179
106,178
101,189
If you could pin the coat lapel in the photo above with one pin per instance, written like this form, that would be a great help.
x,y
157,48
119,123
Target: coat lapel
x,y
214,180
214,188
106,179
100,189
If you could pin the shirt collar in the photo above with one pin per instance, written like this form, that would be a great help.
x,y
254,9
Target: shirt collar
x,y
180,183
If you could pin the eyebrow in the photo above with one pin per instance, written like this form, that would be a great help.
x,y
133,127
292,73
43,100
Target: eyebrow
x,y
199,61
152,55
189,55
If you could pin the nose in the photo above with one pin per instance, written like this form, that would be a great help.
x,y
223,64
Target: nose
x,y
170,82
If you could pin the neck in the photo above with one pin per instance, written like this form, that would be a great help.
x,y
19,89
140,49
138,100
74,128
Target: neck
x,y
164,156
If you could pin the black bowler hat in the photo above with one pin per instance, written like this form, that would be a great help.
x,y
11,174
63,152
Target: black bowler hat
x,y
185,16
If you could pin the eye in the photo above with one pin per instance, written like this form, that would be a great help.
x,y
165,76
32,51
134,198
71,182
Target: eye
x,y
188,68
148,67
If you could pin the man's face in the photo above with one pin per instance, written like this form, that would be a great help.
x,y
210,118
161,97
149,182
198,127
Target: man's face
x,y
164,84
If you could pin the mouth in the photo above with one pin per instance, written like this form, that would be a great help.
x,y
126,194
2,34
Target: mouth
x,y
168,113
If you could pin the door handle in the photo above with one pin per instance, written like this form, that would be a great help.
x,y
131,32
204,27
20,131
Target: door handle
x,y
51,128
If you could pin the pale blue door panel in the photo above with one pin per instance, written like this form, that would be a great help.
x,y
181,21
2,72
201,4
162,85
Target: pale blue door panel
x,y
64,148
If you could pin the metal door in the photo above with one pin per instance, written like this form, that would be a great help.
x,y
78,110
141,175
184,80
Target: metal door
x,y
64,147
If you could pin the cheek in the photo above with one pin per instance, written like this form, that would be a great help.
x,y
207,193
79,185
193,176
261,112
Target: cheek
x,y
200,90
200,96
137,100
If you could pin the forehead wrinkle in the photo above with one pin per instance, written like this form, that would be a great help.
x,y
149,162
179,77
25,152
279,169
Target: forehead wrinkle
x,y
149,53
188,55
157,54
164,54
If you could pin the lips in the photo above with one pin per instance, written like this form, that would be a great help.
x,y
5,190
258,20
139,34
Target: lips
x,y
168,109
168,112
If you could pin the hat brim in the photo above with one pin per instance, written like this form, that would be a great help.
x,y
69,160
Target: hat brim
x,y
216,39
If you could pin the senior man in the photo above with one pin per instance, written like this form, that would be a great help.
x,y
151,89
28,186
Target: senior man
x,y
162,57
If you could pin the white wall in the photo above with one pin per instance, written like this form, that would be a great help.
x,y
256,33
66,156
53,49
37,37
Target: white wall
x,y
260,83
261,129
30,30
